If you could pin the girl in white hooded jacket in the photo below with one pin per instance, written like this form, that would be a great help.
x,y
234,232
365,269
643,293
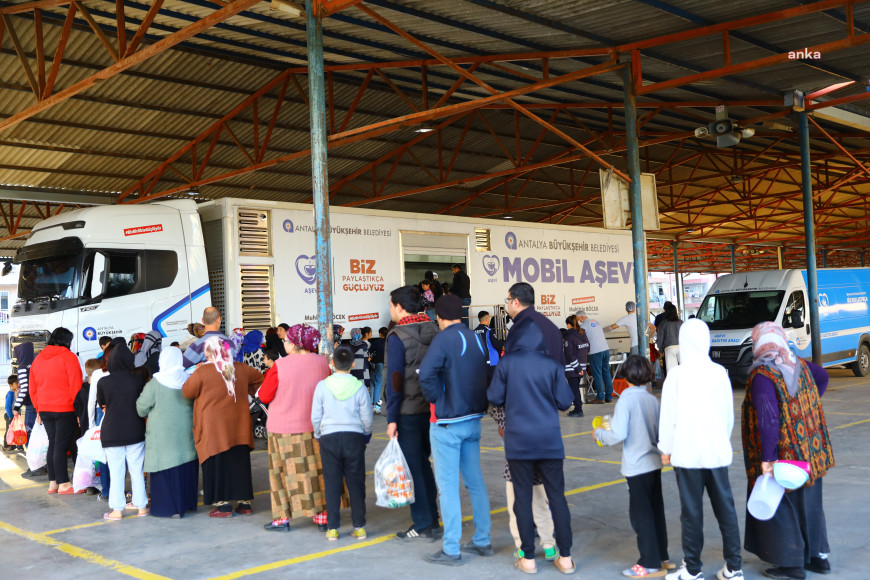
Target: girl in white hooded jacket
x,y
697,416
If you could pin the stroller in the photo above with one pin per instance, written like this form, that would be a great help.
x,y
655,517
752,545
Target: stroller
x,y
259,414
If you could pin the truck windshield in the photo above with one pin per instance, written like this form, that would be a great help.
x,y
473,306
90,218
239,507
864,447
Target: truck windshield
x,y
53,278
740,309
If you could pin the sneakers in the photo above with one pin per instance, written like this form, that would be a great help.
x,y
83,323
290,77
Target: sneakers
x,y
550,554
359,533
472,548
440,557
376,409
414,534
683,574
726,574
577,413
332,535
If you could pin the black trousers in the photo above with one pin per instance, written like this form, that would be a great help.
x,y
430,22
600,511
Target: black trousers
x,y
692,483
344,463
522,475
646,512
574,383
416,447
60,428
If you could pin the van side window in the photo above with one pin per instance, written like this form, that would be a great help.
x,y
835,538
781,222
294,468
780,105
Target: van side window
x,y
131,272
795,302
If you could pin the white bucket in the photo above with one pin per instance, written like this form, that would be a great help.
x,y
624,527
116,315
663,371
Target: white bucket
x,y
765,498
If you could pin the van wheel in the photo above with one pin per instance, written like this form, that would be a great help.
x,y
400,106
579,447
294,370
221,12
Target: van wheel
x,y
861,366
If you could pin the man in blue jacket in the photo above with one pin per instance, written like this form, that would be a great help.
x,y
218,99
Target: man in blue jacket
x,y
453,378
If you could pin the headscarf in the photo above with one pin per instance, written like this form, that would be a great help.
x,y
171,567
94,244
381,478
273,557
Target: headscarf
x,y
196,329
770,347
218,352
252,342
136,341
355,336
151,343
304,336
236,339
337,331
171,374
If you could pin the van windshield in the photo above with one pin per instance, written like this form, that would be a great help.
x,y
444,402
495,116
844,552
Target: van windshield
x,y
53,278
740,309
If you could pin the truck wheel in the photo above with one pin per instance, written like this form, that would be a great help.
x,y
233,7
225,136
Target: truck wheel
x,y
861,366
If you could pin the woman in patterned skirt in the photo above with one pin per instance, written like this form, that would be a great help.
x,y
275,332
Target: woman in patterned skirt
x,y
295,471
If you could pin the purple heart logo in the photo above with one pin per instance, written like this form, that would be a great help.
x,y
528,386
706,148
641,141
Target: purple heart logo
x,y
306,268
490,264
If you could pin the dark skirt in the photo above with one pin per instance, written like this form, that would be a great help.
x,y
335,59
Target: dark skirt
x,y
175,490
227,476
796,532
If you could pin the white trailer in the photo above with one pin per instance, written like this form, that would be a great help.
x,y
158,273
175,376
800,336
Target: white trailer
x,y
255,261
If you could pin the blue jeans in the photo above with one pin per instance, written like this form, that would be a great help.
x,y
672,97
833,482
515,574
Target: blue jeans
x,y
599,366
414,441
466,302
105,478
456,449
377,381
121,460
29,418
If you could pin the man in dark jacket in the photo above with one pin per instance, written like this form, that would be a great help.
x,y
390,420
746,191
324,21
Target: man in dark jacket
x,y
453,378
532,388
521,307
378,345
576,356
407,409
461,287
490,343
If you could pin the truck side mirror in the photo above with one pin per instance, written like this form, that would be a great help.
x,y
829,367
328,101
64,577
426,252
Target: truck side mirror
x,y
796,319
98,276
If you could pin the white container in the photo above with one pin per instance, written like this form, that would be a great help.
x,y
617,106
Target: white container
x,y
765,498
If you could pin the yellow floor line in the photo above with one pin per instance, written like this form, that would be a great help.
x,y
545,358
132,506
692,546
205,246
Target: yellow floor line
x,y
852,414
24,487
83,554
593,460
100,522
851,424
576,434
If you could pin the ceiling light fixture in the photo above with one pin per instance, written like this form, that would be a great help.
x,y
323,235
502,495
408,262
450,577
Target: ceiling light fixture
x,y
424,128
193,191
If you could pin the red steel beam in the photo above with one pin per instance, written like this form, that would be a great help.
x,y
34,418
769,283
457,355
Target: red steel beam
x,y
231,9
324,8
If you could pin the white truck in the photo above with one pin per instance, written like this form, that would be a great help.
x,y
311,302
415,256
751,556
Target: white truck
x,y
116,270
737,302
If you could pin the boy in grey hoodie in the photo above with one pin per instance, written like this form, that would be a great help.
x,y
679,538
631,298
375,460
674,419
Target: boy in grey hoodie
x,y
341,414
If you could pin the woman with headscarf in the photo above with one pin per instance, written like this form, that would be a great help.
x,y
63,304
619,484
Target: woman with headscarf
x,y
236,339
222,431
252,354
783,420
149,353
361,364
337,331
170,456
275,339
295,470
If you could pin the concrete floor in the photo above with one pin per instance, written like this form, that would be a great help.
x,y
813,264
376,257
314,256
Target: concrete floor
x,y
66,537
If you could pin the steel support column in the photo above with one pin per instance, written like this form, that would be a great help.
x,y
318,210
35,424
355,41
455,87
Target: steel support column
x,y
637,235
861,255
319,176
733,258
678,294
810,235
824,258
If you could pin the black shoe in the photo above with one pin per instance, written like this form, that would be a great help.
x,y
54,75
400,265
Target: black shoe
x,y
323,527
818,565
783,573
437,531
472,548
413,534
578,413
273,527
608,400
440,557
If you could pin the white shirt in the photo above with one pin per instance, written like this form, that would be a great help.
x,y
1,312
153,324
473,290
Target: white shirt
x,y
595,334
629,321
92,395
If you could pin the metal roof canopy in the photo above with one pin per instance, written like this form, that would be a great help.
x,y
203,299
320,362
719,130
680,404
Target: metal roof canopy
x,y
133,101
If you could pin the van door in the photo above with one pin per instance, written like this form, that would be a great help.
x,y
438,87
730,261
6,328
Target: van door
x,y
799,335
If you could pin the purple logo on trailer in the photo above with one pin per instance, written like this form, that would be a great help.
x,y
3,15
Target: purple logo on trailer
x,y
306,268
288,226
510,240
490,264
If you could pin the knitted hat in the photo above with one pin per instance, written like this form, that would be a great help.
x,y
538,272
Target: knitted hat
x,y
449,307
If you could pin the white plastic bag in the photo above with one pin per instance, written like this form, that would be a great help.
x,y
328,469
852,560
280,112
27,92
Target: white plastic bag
x,y
394,487
37,448
90,445
84,474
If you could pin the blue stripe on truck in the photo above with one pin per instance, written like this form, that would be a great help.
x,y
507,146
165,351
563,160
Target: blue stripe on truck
x,y
156,325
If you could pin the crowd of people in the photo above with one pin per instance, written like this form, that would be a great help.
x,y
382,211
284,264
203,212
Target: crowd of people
x,y
181,412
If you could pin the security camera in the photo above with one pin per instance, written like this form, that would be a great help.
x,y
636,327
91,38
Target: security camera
x,y
701,132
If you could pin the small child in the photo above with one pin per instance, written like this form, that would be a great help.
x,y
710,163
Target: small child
x,y
427,299
341,414
10,401
270,355
636,424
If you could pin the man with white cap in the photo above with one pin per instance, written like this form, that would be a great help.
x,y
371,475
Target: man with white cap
x,y
599,358
629,321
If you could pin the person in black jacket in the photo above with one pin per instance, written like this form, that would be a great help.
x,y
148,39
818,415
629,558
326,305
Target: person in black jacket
x,y
532,388
490,343
453,378
461,286
576,357
123,431
377,353
521,307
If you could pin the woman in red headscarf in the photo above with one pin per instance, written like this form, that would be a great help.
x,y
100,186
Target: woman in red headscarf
x,y
295,471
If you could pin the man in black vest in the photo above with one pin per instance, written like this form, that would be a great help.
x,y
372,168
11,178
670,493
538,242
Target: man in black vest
x,y
407,410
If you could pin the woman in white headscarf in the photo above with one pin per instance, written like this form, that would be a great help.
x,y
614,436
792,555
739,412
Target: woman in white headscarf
x,y
222,431
170,456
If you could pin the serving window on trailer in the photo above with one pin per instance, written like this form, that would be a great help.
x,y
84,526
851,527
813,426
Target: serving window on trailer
x,y
423,251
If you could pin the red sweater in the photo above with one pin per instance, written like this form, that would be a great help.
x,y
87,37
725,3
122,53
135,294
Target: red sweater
x,y
55,380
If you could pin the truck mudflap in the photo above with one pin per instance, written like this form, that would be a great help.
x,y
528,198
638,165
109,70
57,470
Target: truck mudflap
x,y
737,360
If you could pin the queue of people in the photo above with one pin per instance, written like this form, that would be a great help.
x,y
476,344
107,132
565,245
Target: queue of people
x,y
440,380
